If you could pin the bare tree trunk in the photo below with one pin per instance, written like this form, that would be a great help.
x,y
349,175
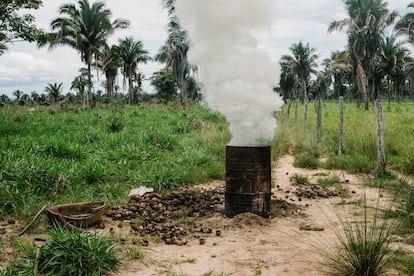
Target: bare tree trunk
x,y
288,109
380,139
341,126
130,90
389,93
88,94
183,90
296,110
319,120
305,108
362,84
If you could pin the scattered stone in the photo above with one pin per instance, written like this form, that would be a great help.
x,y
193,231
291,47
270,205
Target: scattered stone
x,y
2,231
202,241
11,221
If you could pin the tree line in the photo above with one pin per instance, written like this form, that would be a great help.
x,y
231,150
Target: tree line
x,y
86,27
371,65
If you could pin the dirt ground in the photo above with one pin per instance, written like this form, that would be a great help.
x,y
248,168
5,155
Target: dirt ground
x,y
287,244
305,221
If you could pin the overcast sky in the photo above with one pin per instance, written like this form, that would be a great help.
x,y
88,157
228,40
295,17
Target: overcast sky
x,y
28,68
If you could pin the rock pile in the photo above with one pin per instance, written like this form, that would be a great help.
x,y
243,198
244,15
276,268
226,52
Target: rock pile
x,y
160,214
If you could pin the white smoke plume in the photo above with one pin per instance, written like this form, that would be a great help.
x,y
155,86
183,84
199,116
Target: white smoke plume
x,y
238,77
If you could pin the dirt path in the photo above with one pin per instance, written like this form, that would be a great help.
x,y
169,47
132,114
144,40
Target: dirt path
x,y
249,245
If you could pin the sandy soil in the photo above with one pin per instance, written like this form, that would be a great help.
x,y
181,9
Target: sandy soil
x,y
289,243
251,245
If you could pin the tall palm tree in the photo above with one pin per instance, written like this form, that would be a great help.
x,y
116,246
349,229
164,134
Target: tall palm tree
x,y
288,83
109,61
174,52
85,29
54,90
321,86
131,52
365,25
303,63
79,83
340,68
18,94
35,97
392,60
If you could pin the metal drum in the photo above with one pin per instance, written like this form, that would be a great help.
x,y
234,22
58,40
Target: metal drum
x,y
248,180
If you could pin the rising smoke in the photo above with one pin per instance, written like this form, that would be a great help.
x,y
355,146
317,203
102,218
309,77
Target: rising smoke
x,y
238,77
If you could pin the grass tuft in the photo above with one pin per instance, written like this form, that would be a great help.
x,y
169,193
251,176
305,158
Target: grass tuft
x,y
306,161
299,179
363,249
76,253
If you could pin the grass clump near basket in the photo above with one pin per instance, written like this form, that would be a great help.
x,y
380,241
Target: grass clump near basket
x,y
78,253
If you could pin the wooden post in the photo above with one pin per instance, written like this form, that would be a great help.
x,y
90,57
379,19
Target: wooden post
x,y
319,121
380,139
341,126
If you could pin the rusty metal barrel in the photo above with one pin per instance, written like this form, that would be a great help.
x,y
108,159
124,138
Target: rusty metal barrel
x,y
248,180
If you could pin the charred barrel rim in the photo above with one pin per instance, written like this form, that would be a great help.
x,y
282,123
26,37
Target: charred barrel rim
x,y
248,180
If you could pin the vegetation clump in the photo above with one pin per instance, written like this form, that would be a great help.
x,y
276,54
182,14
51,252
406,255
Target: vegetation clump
x,y
364,248
76,253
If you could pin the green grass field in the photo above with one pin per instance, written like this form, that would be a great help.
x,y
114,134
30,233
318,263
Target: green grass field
x,y
360,137
52,155
72,155
68,155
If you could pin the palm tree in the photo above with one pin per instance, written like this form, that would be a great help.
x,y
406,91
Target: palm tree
x,y
79,83
4,99
405,26
109,61
35,97
288,83
54,90
174,52
131,52
340,68
392,59
85,29
303,64
365,27
321,86
17,93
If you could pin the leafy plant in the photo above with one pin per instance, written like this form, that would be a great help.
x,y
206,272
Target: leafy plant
x,y
76,253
